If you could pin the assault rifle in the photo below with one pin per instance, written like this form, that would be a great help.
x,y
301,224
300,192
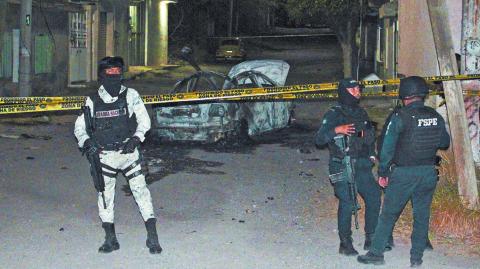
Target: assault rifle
x,y
347,174
94,159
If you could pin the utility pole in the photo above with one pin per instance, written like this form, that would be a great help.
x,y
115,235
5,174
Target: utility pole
x,y
462,150
230,23
236,21
25,82
470,64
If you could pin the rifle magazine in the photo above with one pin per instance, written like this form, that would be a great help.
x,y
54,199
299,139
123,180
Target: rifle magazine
x,y
338,177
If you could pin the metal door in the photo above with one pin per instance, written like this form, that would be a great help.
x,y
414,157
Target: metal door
x,y
136,39
78,58
102,36
6,55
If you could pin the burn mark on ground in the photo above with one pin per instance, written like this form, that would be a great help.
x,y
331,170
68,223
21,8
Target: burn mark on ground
x,y
166,158
161,160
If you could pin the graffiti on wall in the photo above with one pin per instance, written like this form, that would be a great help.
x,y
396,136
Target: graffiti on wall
x,y
472,107
471,65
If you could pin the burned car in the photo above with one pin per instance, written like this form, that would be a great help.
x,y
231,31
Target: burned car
x,y
214,121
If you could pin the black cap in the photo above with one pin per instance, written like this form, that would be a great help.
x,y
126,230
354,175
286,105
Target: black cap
x,y
347,83
108,62
344,97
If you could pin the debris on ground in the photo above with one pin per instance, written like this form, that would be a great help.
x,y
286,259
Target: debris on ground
x,y
30,136
305,174
304,150
10,136
32,148
26,136
27,120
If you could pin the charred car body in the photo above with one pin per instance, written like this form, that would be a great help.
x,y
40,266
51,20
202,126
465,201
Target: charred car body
x,y
210,122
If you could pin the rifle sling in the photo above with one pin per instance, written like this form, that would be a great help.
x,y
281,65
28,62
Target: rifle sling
x,y
108,174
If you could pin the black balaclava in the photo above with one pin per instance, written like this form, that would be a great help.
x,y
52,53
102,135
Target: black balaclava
x,y
112,84
344,97
110,74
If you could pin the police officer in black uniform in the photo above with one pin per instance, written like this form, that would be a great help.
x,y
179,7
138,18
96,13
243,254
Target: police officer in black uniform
x,y
120,121
348,119
407,166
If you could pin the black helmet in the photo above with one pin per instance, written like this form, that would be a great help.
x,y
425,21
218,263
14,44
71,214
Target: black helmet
x,y
109,62
412,86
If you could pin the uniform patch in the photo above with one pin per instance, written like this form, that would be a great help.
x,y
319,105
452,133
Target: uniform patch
x,y
111,113
427,122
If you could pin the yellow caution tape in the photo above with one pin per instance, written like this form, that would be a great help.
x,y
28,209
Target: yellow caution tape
x,y
228,94
27,108
41,100
13,105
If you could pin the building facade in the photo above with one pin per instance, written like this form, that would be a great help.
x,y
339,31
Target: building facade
x,y
68,39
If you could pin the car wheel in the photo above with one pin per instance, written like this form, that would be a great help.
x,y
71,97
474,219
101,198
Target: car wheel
x,y
291,118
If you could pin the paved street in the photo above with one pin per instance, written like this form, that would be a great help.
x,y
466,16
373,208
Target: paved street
x,y
267,204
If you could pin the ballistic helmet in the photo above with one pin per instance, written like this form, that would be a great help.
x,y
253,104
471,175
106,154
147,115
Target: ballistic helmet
x,y
412,86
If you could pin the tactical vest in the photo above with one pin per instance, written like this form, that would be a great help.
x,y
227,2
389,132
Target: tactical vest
x,y
359,142
112,125
419,140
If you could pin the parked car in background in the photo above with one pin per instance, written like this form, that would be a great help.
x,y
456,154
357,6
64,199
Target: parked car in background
x,y
229,120
231,49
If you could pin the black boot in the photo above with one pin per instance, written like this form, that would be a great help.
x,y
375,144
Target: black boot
x,y
390,244
429,245
371,258
152,237
368,241
111,242
415,262
346,247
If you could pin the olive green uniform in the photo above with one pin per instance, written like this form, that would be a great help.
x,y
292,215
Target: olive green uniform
x,y
414,179
361,149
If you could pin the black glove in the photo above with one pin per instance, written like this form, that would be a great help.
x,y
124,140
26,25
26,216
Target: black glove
x,y
131,145
90,148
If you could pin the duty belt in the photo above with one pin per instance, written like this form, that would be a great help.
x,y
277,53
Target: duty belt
x,y
113,146
412,164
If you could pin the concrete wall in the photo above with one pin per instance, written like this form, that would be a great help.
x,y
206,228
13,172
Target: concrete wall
x,y
121,26
417,54
57,21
